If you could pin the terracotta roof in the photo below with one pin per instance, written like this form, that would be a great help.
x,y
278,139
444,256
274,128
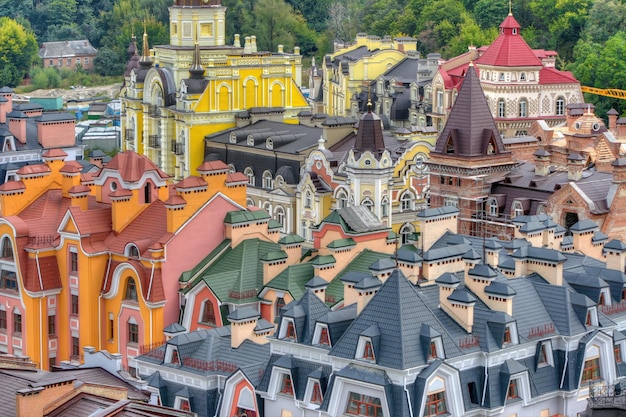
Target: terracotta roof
x,y
212,166
54,153
49,270
72,167
121,192
509,49
78,189
191,182
12,186
175,200
236,177
95,220
33,169
132,166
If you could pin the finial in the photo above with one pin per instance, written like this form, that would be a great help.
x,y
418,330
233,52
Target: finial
x,y
510,7
320,143
369,105
471,63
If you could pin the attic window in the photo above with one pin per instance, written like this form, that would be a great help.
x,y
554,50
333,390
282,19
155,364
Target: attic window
x,y
365,349
269,143
544,355
450,146
286,386
132,251
515,31
510,335
233,137
321,335
316,394
291,331
435,349
592,317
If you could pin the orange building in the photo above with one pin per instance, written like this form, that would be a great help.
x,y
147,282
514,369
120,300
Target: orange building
x,y
95,260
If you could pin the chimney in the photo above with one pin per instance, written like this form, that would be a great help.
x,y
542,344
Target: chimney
x,y
237,43
546,262
582,236
434,223
318,286
542,162
619,171
122,203
612,115
349,280
70,176
479,277
280,49
456,303
253,44
410,263
292,246
274,263
499,297
79,196
242,323
17,125
492,253
382,268
296,50
615,254
621,127
365,291
246,46
575,166
324,267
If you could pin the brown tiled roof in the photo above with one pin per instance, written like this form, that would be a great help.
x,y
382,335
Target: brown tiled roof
x,y
470,125
369,134
132,166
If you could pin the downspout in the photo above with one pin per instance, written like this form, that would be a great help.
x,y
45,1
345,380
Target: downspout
x,y
219,398
40,309
149,291
566,360
482,403
100,305
408,398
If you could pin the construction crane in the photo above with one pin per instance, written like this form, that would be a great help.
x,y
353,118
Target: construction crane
x,y
608,92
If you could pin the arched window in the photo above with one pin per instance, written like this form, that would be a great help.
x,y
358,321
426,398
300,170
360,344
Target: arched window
x,y
405,233
406,201
280,303
308,200
367,202
131,290
493,207
560,106
249,202
279,214
501,108
267,180
523,108
248,172
132,251
7,248
147,197
342,199
522,76
208,313
384,207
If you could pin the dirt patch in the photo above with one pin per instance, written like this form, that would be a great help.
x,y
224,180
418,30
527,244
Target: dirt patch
x,y
106,92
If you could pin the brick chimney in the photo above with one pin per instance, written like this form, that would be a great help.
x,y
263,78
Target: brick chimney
x,y
434,222
612,115
242,323
365,291
457,303
318,287
546,262
575,166
542,162
292,246
274,263
382,268
615,254
6,103
80,196
583,234
17,125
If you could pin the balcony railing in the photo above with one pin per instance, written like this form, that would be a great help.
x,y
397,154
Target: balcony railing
x,y
177,148
154,141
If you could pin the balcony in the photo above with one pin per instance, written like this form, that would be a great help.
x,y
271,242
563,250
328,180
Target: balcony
x,y
177,148
154,141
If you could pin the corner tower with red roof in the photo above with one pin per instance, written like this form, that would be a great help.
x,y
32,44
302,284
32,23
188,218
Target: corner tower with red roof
x,y
521,84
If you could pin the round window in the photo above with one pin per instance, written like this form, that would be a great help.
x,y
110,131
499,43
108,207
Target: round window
x,y
367,162
113,186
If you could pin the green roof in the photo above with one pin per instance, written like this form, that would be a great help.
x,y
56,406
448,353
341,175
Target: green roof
x,y
341,243
244,216
291,239
274,255
273,224
293,279
237,275
323,260
392,235
187,275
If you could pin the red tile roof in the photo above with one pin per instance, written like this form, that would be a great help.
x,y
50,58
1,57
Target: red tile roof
x,y
236,177
55,153
191,182
42,277
554,76
132,166
78,189
12,186
72,167
212,166
175,200
509,49
33,169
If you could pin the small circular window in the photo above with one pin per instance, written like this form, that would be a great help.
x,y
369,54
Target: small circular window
x,y
367,162
595,126
113,186
577,125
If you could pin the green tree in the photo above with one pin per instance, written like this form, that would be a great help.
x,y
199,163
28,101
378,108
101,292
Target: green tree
x,y
109,62
606,17
274,19
18,51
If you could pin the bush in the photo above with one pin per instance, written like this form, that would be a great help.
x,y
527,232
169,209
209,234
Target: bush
x,y
45,78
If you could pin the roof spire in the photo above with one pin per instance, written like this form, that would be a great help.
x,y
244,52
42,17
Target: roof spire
x,y
196,70
145,52
510,7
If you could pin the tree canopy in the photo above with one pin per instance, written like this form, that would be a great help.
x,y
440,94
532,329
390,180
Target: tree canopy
x,y
18,50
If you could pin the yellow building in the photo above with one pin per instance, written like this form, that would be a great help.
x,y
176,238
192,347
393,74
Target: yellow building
x,y
95,260
351,69
196,85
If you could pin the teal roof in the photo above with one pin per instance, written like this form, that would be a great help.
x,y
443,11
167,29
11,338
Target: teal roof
x,y
273,224
274,256
237,275
341,243
293,279
187,275
291,239
323,260
244,216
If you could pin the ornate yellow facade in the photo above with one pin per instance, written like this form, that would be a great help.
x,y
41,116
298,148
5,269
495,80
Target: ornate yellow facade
x,y
196,85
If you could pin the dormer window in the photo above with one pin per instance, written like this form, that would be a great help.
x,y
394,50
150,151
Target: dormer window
x,y
248,172
208,313
509,336
512,392
605,297
324,337
544,355
250,140
435,349
288,329
7,248
132,251
450,147
591,370
592,317
522,76
617,350
291,331
316,395
368,351
365,349
286,387
432,352
267,180
493,207
171,355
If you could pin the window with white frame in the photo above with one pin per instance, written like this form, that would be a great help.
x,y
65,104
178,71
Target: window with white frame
x,y
321,336
363,405
618,351
384,207
279,215
406,201
560,106
342,199
308,200
267,180
182,403
405,233
591,370
509,336
435,349
249,172
493,207
501,108
365,349
436,403
171,355
545,356
288,329
518,210
451,200
592,317
523,108
367,202
513,390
